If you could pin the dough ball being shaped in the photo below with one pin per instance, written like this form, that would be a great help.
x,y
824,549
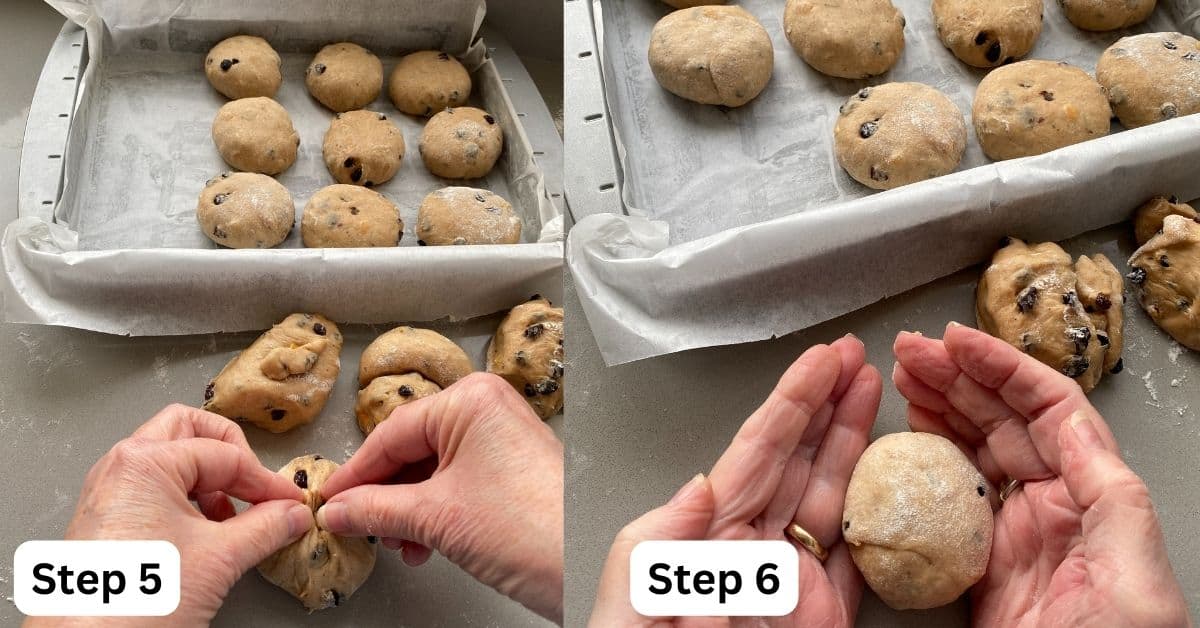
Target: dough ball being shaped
x,y
244,210
283,379
321,569
384,394
527,351
1166,274
1106,15
1151,77
460,215
255,135
243,66
687,4
845,38
461,143
1101,290
344,77
363,148
899,133
428,81
1034,107
1148,219
985,33
713,55
349,216
918,520
413,350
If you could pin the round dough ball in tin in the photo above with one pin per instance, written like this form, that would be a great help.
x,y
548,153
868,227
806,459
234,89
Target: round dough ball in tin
x,y
347,216
243,66
363,148
245,210
427,81
713,55
344,77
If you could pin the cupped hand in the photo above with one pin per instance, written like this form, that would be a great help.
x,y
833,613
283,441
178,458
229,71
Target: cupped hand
x,y
1079,543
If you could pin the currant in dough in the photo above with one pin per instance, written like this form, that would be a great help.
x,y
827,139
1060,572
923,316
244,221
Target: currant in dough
x,y
845,38
985,33
433,361
349,216
255,135
363,148
462,215
461,143
527,351
1152,77
713,55
1148,218
245,210
1166,274
243,66
428,81
1106,15
344,77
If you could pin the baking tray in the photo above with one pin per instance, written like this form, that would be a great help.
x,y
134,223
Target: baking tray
x,y
117,149
728,233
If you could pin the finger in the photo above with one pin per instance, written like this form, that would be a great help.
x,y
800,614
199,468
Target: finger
x,y
178,421
845,578
853,354
401,511
263,529
414,554
917,392
201,465
404,438
215,506
393,544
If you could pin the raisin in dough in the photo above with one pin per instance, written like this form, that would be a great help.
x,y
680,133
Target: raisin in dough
x,y
344,77
244,210
384,394
255,135
431,360
918,520
1033,107
363,148
461,215
1106,15
986,33
899,133
1166,274
461,143
1151,77
527,351
713,55
1148,219
349,216
283,379
428,81
845,38
321,569
243,66
1101,289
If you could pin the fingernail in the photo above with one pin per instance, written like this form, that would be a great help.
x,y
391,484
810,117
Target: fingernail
x,y
332,517
688,489
300,520
852,337
954,324
1085,430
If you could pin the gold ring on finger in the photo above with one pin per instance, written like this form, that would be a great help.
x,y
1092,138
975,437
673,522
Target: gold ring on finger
x,y
810,542
1008,489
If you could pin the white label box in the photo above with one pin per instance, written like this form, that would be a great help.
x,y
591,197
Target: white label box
x,y
96,578
719,578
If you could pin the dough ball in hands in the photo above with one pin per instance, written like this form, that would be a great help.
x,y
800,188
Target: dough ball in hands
x,y
363,148
255,135
349,216
527,351
849,38
713,55
1106,15
1165,272
985,33
243,66
917,520
1148,219
461,215
344,77
428,81
321,569
899,133
244,210
1152,77
283,379
403,365
461,143
384,394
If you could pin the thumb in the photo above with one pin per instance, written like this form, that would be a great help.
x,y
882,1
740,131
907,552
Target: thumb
x,y
265,528
399,511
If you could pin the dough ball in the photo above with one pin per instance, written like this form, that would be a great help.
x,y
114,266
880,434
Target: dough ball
x,y
346,216
344,77
899,133
713,55
1033,107
243,66
985,33
460,215
413,350
244,210
1151,77
918,520
845,38
1101,290
363,147
527,351
1166,274
283,379
1106,15
687,4
255,135
384,394
428,81
1148,219
321,569
461,143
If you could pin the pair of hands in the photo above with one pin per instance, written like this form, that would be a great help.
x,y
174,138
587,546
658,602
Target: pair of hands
x,y
1078,544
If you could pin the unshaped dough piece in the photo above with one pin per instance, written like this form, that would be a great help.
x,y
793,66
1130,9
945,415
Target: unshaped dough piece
x,y
321,569
344,77
428,81
1033,107
255,135
986,33
350,216
433,361
845,38
527,351
384,394
918,520
1101,290
1106,15
243,66
713,55
1151,77
244,210
363,148
461,143
462,215
283,379
899,133
1166,274
1148,219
